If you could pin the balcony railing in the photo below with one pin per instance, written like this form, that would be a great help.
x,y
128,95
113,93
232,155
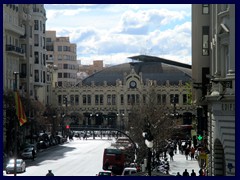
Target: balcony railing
x,y
14,49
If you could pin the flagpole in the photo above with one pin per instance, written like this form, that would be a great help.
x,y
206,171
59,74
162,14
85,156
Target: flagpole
x,y
15,132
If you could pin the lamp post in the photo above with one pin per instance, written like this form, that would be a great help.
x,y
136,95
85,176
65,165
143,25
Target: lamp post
x,y
15,132
148,137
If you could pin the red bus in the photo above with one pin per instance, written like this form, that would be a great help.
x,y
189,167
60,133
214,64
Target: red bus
x,y
113,160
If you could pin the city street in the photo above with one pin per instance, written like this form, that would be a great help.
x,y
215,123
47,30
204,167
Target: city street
x,y
75,158
84,158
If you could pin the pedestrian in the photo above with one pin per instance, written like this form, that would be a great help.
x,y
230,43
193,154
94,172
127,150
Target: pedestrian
x,y
193,173
201,172
185,173
178,174
33,154
192,152
49,173
171,154
187,152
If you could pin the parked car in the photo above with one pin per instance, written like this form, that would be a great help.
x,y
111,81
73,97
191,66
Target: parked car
x,y
20,163
129,171
27,152
105,173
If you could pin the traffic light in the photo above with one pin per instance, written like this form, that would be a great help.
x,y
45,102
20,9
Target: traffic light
x,y
199,137
67,126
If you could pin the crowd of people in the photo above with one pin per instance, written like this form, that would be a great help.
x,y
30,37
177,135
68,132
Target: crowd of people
x,y
193,173
186,148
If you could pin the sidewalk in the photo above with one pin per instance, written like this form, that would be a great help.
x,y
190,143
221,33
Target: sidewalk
x,y
179,164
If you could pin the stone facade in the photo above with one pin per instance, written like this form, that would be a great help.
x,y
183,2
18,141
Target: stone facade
x,y
215,69
122,88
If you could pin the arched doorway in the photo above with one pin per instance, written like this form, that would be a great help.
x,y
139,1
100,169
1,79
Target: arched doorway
x,y
219,159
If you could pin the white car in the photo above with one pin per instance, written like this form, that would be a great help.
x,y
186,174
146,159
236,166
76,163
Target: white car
x,y
129,171
20,164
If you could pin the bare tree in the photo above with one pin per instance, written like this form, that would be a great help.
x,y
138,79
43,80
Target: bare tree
x,y
160,123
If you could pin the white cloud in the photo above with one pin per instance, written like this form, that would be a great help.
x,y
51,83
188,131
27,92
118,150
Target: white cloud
x,y
113,34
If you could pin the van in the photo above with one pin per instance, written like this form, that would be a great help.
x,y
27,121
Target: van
x,y
129,171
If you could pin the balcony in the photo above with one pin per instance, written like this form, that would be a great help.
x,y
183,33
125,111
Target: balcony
x,y
14,28
14,49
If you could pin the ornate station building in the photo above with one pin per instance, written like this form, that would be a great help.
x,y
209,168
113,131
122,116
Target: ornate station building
x,y
106,97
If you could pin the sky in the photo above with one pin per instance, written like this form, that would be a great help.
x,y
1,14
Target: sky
x,y
115,32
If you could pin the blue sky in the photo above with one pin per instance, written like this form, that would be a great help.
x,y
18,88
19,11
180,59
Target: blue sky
x,y
114,32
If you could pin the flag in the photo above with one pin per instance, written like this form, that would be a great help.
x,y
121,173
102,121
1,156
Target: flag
x,y
19,110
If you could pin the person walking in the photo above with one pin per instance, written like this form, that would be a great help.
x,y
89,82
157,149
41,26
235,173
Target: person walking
x,y
49,173
201,172
185,173
192,152
33,154
187,150
178,174
193,173
171,154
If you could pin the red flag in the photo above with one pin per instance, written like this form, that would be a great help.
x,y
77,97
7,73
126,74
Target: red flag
x,y
19,110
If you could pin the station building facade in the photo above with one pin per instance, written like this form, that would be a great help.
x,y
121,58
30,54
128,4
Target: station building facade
x,y
106,97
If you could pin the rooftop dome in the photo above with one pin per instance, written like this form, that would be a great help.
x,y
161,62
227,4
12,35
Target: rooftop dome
x,y
158,71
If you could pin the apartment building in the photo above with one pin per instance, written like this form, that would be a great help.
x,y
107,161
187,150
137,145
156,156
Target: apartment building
x,y
213,64
25,49
61,53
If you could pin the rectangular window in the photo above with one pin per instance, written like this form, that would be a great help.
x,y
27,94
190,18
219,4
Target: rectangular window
x,y
113,99
65,75
96,99
89,99
76,99
109,99
30,31
36,57
205,40
44,77
36,76
174,98
72,100
59,75
59,48
66,48
164,99
36,40
84,98
159,99
205,8
65,66
36,25
43,28
122,99
23,70
101,99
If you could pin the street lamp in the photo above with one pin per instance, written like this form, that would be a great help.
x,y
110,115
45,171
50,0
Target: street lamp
x,y
148,137
15,132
